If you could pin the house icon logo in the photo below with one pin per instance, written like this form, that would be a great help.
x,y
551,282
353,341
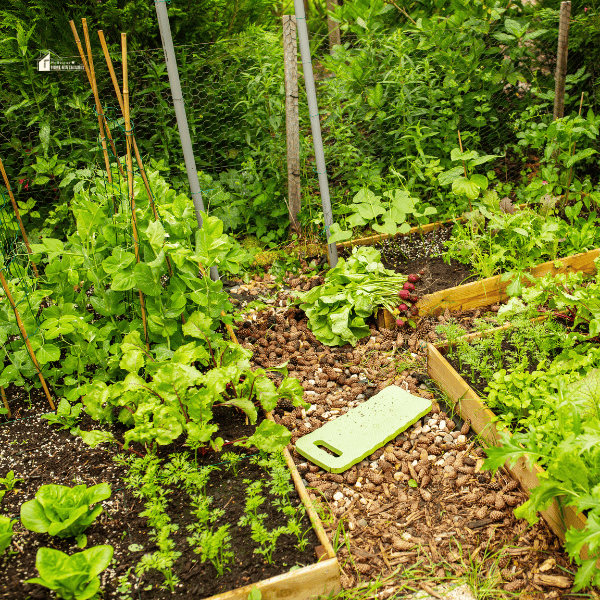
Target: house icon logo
x,y
44,63
51,63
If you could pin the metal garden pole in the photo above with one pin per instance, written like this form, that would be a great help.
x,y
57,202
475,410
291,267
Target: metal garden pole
x,y
182,123
315,124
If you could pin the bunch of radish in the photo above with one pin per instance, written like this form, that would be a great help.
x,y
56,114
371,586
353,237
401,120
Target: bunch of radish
x,y
407,309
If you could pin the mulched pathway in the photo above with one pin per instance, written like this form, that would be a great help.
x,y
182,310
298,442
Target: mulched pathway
x,y
456,516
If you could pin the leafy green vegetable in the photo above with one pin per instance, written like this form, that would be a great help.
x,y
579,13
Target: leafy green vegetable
x,y
6,533
72,577
63,511
352,291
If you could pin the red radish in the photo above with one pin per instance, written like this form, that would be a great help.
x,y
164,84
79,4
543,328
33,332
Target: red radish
x,y
402,307
414,299
400,322
422,271
414,278
414,311
404,294
409,286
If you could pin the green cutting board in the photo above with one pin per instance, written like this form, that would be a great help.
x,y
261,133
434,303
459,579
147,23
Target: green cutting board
x,y
363,429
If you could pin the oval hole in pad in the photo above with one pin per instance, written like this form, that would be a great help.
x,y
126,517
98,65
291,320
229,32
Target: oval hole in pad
x,y
363,429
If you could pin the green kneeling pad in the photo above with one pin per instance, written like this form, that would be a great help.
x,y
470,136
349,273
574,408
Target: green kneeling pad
x,y
363,429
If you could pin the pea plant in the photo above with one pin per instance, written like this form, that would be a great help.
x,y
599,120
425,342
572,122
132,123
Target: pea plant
x,y
129,326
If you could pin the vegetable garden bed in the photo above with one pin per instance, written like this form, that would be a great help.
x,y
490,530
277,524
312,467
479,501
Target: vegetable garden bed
x,y
491,290
470,406
40,454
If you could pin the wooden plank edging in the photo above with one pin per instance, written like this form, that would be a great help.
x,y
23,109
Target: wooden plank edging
x,y
308,582
470,406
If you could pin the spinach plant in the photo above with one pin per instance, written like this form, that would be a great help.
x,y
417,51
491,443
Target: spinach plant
x,y
72,577
63,511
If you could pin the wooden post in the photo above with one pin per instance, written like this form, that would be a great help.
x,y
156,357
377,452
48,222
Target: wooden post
x,y
292,126
333,27
26,339
561,60
18,215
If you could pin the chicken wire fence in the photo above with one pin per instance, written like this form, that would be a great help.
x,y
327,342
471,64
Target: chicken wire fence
x,y
389,104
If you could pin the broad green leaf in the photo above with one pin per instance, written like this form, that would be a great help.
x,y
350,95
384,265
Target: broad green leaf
x,y
456,154
123,281
47,353
580,156
156,235
480,180
266,393
389,227
447,177
336,234
463,186
119,261
269,437
145,280
198,325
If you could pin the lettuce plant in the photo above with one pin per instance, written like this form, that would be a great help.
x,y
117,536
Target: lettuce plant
x,y
63,511
72,577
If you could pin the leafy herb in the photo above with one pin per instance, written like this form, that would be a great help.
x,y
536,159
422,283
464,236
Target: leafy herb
x,y
6,533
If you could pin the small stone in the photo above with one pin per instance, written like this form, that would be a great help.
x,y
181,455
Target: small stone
x,y
362,522
363,500
360,397
461,439
338,496
426,429
448,438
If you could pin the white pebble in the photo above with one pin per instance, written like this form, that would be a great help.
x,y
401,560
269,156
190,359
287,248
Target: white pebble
x,y
442,425
338,496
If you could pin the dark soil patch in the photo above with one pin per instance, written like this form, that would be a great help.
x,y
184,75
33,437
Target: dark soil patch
x,y
42,454
416,253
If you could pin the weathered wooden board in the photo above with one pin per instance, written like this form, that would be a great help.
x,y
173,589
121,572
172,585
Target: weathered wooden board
x,y
309,582
470,406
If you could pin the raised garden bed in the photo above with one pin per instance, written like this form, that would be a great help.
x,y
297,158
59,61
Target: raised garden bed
x,y
41,454
470,406
491,290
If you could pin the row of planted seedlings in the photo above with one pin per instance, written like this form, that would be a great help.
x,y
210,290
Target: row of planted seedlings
x,y
134,346
529,381
421,509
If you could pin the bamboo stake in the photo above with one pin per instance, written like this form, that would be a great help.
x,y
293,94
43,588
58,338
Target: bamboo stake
x,y
26,339
100,114
5,402
130,173
96,98
18,215
136,151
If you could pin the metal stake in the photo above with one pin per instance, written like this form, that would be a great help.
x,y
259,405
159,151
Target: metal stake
x,y
182,123
315,124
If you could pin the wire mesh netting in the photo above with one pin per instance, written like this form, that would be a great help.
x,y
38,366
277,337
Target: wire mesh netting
x,y
389,104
